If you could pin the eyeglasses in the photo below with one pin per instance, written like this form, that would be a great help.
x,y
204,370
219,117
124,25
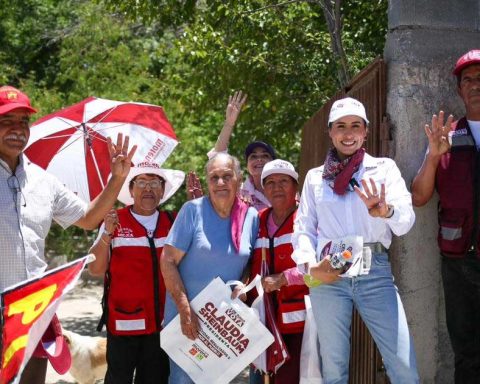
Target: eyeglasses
x,y
154,184
14,185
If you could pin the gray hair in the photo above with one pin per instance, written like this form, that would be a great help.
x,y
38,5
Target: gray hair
x,y
237,169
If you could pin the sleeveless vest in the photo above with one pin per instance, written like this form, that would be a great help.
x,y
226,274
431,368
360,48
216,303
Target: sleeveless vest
x,y
135,291
289,300
457,183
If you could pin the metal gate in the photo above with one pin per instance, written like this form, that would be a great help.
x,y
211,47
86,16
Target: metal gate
x,y
369,86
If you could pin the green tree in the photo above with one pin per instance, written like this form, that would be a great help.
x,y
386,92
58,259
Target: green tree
x,y
187,56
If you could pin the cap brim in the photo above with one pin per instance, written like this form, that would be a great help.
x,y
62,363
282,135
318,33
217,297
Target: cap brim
x,y
255,144
458,70
13,106
54,347
173,181
288,172
61,360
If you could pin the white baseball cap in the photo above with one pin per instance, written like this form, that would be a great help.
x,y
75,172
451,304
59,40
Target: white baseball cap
x,y
279,166
345,107
173,181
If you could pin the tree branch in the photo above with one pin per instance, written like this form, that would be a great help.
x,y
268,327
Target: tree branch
x,y
332,14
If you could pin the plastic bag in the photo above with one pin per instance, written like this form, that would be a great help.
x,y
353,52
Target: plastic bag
x,y
310,372
231,336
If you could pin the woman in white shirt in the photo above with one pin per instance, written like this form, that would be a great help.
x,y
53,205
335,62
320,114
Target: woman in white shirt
x,y
354,202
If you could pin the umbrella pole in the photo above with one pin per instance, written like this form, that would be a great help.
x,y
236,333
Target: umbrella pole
x,y
266,379
96,166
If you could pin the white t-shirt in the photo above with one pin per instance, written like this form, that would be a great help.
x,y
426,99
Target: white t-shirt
x,y
148,222
475,128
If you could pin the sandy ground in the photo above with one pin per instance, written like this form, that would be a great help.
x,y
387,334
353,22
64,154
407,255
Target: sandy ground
x,y
80,312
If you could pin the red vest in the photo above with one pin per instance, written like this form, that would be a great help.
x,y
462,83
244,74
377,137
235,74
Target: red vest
x,y
458,188
134,283
290,303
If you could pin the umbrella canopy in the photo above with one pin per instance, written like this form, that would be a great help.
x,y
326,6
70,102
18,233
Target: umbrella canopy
x,y
72,143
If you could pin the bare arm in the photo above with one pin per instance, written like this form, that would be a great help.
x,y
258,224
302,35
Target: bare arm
x,y
169,261
235,104
120,162
101,248
423,184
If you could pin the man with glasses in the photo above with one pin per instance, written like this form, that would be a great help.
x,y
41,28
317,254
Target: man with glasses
x,y
127,252
30,199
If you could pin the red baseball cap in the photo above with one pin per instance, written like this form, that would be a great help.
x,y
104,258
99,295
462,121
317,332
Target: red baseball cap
x,y
11,99
54,347
469,58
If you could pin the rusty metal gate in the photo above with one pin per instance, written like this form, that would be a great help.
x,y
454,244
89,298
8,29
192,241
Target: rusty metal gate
x,y
369,86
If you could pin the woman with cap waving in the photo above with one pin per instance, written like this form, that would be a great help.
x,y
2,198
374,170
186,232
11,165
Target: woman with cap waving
x,y
127,251
274,247
355,202
257,154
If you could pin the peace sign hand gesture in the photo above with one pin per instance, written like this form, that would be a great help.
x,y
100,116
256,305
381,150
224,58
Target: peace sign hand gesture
x,y
375,202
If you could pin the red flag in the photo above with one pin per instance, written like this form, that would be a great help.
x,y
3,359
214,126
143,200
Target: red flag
x,y
27,309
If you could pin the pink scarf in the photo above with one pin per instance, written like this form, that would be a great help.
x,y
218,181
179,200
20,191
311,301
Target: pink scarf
x,y
341,172
237,217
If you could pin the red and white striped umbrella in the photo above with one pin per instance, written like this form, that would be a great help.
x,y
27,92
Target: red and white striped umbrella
x,y
72,143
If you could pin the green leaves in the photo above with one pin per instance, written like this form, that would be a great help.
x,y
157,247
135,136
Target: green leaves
x,y
189,56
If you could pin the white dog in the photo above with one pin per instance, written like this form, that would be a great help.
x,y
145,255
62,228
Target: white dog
x,y
89,357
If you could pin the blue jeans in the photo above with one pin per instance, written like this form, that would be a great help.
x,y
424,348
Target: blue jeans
x,y
376,298
178,375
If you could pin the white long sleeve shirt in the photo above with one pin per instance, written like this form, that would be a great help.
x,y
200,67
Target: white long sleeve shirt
x,y
322,214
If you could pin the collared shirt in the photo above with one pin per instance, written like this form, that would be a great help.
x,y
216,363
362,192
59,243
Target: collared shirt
x,y
475,129
253,196
326,215
30,199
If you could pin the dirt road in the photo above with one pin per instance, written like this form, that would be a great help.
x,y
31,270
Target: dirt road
x,y
79,312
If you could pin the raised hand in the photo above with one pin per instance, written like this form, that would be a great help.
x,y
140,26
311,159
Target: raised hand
x,y
437,134
194,187
234,107
120,156
374,201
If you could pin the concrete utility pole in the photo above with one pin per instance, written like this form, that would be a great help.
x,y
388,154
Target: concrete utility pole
x,y
425,38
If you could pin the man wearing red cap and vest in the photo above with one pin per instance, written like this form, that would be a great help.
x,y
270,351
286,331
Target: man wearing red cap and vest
x,y
30,199
452,166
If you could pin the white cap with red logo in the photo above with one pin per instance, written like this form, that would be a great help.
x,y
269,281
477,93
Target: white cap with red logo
x,y
346,107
